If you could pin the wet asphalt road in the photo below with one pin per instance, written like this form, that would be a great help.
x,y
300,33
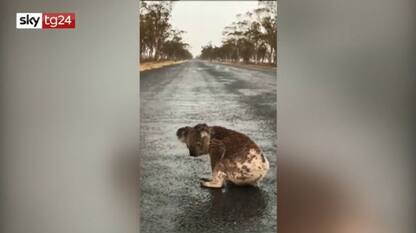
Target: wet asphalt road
x,y
194,92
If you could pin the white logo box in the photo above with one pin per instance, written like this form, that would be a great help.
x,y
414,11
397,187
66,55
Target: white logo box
x,y
27,20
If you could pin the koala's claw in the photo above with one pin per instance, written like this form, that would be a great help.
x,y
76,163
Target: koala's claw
x,y
204,179
204,184
210,184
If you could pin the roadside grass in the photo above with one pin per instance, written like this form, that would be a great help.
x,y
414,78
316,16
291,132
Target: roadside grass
x,y
150,65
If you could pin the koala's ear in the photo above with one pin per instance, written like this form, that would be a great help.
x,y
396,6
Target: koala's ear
x,y
181,133
201,127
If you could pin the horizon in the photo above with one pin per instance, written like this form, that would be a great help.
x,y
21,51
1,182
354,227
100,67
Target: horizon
x,y
211,21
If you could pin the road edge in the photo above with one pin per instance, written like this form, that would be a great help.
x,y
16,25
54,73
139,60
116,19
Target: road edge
x,y
158,65
246,66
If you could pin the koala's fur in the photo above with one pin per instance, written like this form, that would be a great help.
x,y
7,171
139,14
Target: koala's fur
x,y
234,156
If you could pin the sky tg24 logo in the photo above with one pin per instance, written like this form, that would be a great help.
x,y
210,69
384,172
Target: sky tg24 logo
x,y
54,20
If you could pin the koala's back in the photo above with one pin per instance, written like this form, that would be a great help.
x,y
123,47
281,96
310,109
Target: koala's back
x,y
243,160
236,143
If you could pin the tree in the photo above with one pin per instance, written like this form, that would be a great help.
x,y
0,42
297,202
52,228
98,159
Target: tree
x,y
175,48
269,23
157,38
251,38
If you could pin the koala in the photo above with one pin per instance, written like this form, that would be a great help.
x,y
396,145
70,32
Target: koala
x,y
234,156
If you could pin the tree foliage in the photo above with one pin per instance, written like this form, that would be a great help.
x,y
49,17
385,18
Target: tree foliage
x,y
251,38
158,40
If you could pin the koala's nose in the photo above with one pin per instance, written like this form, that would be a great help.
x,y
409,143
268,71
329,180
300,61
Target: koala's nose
x,y
192,153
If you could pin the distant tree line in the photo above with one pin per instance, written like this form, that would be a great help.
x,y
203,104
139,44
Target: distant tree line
x,y
158,40
252,38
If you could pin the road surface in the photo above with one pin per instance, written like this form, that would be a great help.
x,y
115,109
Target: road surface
x,y
171,199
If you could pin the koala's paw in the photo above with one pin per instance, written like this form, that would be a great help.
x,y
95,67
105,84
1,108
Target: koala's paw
x,y
211,184
204,179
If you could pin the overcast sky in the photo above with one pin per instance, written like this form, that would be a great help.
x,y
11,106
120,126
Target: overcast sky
x,y
204,21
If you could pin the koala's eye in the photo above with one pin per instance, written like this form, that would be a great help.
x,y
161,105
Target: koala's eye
x,y
199,143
